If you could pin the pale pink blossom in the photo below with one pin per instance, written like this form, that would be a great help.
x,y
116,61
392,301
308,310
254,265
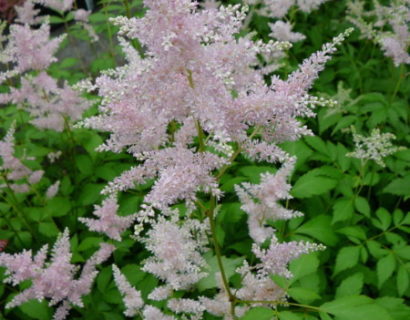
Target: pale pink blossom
x,y
30,49
109,222
53,190
54,280
261,202
176,256
131,297
283,31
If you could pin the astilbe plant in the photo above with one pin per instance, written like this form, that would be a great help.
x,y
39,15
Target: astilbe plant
x,y
186,108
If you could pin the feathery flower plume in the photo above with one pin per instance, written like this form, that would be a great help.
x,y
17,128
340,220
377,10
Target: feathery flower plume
x,y
109,222
375,147
53,190
54,280
177,256
131,297
273,187
373,24
30,49
12,169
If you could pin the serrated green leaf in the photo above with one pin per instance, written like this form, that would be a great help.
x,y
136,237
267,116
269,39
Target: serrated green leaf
x,y
260,313
402,280
347,257
58,206
399,187
288,315
90,193
350,286
48,229
342,210
84,164
36,310
303,266
395,306
319,228
384,218
362,205
385,268
303,295
311,185
356,307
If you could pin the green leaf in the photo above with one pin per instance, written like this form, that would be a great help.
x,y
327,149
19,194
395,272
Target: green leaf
x,y
36,310
303,295
316,143
304,265
399,187
356,307
259,313
89,243
288,315
403,252
311,184
396,307
319,228
344,123
402,280
342,210
384,218
347,257
48,229
104,278
362,205
90,193
385,268
84,164
350,286
58,206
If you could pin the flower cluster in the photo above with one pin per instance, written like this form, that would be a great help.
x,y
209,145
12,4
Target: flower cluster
x,y
185,108
282,30
109,222
375,147
373,24
55,280
15,174
260,202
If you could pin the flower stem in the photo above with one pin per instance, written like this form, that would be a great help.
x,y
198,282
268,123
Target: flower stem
x,y
218,253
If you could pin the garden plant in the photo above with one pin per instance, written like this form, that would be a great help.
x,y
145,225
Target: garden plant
x,y
178,159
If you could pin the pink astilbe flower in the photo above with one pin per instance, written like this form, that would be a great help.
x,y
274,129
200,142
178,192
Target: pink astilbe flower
x,y
279,8
374,23
276,258
260,202
54,280
192,64
153,313
30,49
131,297
12,169
50,106
53,190
27,14
59,5
283,31
177,256
109,222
